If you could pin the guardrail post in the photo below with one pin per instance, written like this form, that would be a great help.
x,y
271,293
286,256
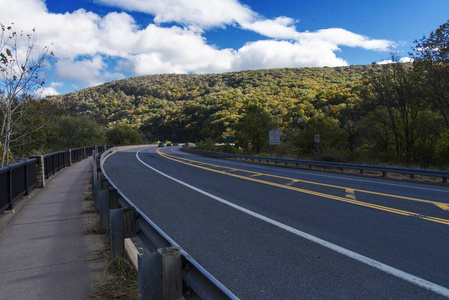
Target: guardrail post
x,y
113,199
40,171
150,276
117,232
171,273
103,203
129,222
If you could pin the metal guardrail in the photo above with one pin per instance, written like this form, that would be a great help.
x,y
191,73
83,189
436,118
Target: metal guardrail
x,y
412,172
125,220
16,180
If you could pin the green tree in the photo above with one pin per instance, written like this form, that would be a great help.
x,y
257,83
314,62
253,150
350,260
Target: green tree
x,y
431,62
395,90
252,130
73,132
123,135
333,139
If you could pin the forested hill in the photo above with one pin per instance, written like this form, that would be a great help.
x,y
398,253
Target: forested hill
x,y
193,107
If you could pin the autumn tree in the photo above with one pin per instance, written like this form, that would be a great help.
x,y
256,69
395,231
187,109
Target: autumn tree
x,y
22,67
396,97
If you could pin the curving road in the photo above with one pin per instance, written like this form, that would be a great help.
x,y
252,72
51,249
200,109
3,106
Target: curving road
x,y
277,233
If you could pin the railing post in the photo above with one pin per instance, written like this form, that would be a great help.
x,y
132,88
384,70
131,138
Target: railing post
x,y
26,179
171,273
10,188
70,157
113,199
103,203
150,276
40,171
117,232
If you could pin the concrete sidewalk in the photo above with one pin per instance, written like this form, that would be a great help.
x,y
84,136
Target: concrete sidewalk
x,y
45,251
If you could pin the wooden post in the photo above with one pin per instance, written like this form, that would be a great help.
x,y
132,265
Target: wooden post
x,y
117,235
113,199
129,222
150,276
171,273
103,203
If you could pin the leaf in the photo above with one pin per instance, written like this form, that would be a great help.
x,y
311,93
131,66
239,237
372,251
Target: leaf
x,y
8,52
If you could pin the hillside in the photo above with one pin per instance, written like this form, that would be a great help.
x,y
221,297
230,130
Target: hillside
x,y
193,107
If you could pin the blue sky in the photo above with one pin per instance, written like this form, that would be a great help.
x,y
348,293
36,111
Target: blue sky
x,y
96,41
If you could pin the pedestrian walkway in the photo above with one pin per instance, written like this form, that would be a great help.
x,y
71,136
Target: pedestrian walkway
x,y
45,251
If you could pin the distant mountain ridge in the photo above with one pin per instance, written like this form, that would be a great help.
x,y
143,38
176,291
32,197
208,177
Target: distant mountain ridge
x,y
193,106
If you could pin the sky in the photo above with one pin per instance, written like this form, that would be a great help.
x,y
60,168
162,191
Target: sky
x,y
96,41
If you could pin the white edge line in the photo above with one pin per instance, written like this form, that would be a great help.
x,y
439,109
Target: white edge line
x,y
363,259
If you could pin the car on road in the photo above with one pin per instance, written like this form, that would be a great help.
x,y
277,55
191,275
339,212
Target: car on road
x,y
168,145
160,145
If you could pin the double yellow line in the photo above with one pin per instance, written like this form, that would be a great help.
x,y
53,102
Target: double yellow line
x,y
350,193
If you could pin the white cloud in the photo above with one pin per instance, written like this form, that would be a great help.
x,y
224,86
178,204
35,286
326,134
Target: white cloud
x,y
342,37
279,28
401,60
406,60
86,71
88,46
278,54
206,14
46,91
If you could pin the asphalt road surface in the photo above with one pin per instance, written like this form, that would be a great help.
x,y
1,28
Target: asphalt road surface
x,y
276,233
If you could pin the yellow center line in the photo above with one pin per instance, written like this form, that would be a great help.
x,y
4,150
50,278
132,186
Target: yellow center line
x,y
350,194
347,200
442,205
257,174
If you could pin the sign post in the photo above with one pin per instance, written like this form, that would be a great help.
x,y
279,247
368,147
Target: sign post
x,y
317,141
275,139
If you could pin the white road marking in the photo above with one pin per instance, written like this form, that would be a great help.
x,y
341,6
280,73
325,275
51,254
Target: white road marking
x,y
351,254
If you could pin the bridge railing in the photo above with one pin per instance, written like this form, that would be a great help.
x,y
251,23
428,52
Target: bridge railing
x,y
19,179
16,180
165,270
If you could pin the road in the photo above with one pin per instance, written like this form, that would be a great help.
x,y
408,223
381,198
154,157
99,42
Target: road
x,y
276,233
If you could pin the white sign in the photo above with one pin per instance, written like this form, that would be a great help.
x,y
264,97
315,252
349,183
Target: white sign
x,y
275,137
317,138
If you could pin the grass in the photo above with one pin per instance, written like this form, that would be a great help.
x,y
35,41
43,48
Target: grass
x,y
119,278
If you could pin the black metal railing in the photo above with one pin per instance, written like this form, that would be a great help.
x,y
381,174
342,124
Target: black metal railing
x,y
16,180
55,161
